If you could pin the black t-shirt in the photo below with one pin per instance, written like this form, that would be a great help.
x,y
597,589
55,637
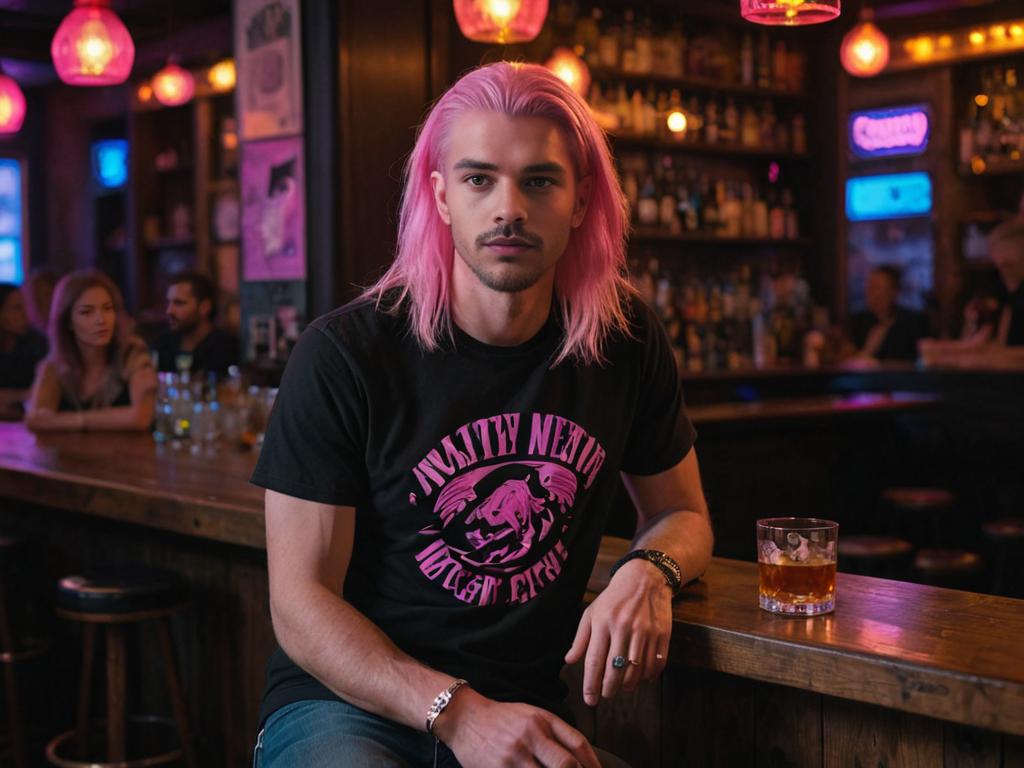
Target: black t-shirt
x,y
217,351
18,365
482,481
900,342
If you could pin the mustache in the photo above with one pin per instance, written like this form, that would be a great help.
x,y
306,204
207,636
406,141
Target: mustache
x,y
509,231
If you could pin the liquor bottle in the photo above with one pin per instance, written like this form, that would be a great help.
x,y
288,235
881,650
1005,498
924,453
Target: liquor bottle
x,y
588,36
637,120
711,126
628,46
650,112
643,48
799,134
668,219
647,205
776,216
760,216
730,131
967,134
709,218
792,217
608,47
750,133
780,65
764,62
747,60
631,188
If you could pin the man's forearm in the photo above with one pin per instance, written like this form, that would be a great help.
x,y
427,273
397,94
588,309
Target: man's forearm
x,y
350,655
684,535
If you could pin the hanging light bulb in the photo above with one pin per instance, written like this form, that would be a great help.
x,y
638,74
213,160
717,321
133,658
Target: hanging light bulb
x,y
571,69
501,21
173,85
222,75
92,46
12,106
865,49
789,12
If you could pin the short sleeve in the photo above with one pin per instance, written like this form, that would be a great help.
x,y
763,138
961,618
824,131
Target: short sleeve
x,y
314,447
661,434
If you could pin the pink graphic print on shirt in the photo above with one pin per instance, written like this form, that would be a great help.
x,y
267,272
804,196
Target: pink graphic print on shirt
x,y
502,508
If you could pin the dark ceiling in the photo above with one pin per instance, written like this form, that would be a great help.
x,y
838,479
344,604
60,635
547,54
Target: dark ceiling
x,y
27,26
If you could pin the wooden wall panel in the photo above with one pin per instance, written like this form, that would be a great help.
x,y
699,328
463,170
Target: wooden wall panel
x,y
862,736
788,728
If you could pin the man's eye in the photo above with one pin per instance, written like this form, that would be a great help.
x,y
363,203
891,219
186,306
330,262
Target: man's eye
x,y
540,182
477,180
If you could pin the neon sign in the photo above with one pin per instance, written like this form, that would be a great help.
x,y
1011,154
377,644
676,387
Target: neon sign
x,y
888,132
890,196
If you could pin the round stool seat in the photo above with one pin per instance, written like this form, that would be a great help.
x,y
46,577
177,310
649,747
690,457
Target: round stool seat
x,y
948,561
120,590
918,498
1007,529
873,546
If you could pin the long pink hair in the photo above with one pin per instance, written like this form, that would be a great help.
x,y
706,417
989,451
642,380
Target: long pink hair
x,y
590,278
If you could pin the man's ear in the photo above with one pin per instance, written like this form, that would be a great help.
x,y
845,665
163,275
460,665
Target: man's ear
x,y
441,196
579,210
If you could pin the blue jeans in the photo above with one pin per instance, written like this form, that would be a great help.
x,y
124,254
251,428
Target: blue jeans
x,y
332,734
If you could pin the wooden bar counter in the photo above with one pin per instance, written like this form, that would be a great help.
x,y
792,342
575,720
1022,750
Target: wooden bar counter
x,y
899,675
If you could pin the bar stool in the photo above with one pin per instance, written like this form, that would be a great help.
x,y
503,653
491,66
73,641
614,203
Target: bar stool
x,y
109,599
1006,537
950,568
17,644
883,556
917,514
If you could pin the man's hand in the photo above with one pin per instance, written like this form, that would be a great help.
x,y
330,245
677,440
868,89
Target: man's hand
x,y
484,733
632,618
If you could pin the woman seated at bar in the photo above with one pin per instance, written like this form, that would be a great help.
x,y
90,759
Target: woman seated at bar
x,y
1001,343
885,330
21,348
98,375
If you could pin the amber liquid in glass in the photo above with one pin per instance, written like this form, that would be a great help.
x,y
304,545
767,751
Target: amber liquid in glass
x,y
798,583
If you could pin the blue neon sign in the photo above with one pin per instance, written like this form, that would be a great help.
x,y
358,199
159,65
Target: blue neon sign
x,y
110,163
889,196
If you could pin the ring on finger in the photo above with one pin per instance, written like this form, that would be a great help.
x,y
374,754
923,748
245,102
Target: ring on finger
x,y
618,662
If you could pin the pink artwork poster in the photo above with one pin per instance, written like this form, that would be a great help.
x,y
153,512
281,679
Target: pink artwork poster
x,y
273,210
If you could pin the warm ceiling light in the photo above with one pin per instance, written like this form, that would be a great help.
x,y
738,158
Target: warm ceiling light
x,y
981,100
677,122
173,85
998,32
92,46
922,48
571,69
12,106
865,49
501,21
977,37
789,12
144,93
945,42
222,75
1016,31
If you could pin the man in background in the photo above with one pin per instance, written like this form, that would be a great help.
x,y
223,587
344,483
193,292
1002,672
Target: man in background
x,y
192,342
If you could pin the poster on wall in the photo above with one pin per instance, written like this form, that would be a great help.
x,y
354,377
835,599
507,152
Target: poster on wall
x,y
273,210
269,57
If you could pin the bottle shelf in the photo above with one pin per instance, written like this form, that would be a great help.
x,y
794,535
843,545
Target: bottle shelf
x,y
697,85
632,141
996,168
648,235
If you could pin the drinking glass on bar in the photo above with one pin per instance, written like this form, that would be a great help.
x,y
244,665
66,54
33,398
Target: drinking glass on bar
x,y
796,561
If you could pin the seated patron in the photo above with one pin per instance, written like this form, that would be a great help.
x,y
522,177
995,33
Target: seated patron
x,y
98,376
21,349
998,344
193,343
886,330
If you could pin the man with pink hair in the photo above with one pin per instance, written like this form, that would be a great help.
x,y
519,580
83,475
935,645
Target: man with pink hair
x,y
444,451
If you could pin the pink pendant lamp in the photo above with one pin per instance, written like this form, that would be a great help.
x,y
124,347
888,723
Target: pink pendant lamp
x,y
92,46
173,85
501,21
12,106
790,13
865,49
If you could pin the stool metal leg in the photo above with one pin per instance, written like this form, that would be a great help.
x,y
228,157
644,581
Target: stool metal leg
x,y
11,685
85,689
115,693
174,687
